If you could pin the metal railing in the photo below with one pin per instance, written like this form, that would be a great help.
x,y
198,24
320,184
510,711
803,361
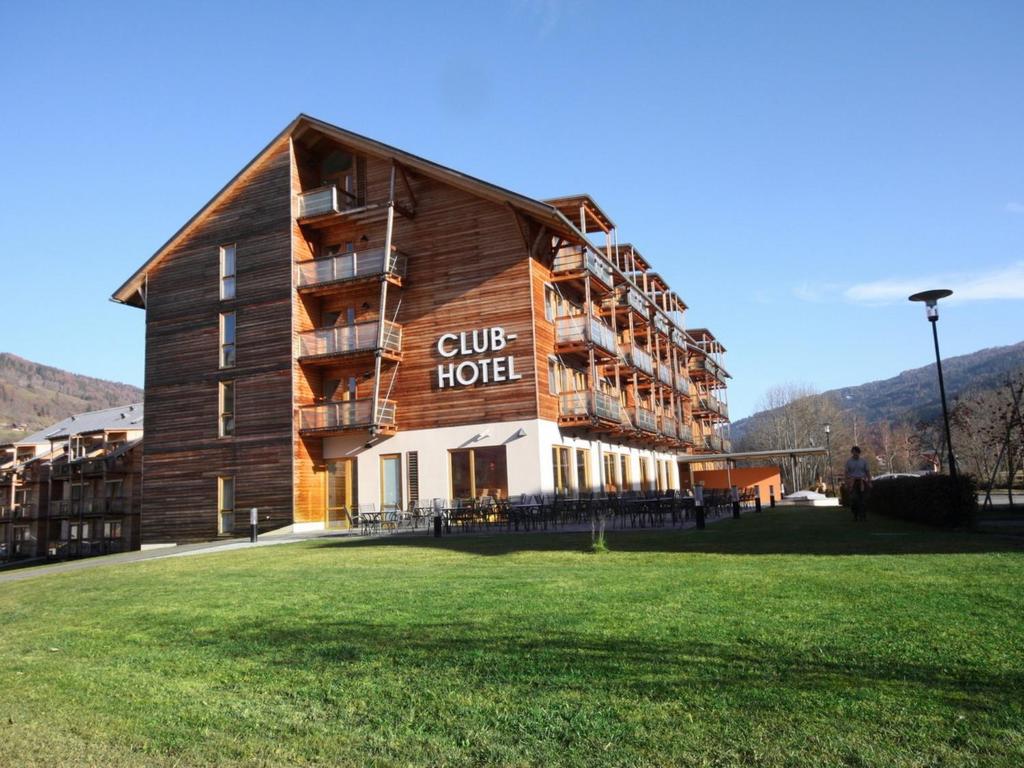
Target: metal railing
x,y
678,338
713,404
646,420
669,426
577,329
322,201
714,443
639,358
632,297
661,323
346,414
665,374
345,339
683,384
710,366
577,258
350,266
599,404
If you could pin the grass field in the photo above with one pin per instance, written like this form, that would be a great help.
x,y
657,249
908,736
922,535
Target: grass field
x,y
792,638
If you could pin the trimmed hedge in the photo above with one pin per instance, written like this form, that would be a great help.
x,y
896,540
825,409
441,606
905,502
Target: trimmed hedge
x,y
930,499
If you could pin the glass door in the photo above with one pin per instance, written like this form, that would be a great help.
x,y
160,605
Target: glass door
x,y
341,493
391,482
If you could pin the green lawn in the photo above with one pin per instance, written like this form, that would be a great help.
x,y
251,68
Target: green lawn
x,y
793,638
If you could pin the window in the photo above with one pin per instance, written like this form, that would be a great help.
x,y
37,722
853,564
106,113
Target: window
x,y
645,474
391,482
609,472
227,409
627,479
225,504
560,463
477,472
227,339
582,469
227,272
553,376
112,529
550,303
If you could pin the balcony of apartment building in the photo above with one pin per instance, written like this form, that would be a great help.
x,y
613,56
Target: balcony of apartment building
x,y
579,262
645,419
639,358
710,404
629,298
707,367
325,345
586,407
578,333
19,511
665,374
661,324
714,443
336,269
339,416
678,338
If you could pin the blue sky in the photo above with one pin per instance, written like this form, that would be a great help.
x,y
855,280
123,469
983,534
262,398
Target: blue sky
x,y
795,169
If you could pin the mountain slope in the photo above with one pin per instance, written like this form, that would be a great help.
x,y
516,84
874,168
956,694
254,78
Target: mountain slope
x,y
33,395
914,395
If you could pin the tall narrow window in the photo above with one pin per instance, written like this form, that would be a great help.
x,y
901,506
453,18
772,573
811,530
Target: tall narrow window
x,y
645,474
627,479
582,470
227,272
225,504
391,482
227,339
609,473
560,463
553,377
227,409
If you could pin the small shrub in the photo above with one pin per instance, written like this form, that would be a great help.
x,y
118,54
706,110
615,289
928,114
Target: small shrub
x,y
930,499
599,545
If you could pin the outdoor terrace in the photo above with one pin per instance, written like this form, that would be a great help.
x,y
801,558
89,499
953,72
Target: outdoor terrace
x,y
322,344
338,416
348,267
580,260
576,332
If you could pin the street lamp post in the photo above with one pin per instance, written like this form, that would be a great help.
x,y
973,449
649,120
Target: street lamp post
x,y
931,301
828,453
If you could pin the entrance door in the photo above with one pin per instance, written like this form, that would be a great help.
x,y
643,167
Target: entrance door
x,y
391,483
342,496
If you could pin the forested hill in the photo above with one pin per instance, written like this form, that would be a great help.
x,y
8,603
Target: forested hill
x,y
914,395
33,395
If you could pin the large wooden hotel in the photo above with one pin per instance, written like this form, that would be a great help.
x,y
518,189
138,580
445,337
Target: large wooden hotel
x,y
346,324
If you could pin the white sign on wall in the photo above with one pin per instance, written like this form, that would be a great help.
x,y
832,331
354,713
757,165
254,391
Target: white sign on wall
x,y
479,370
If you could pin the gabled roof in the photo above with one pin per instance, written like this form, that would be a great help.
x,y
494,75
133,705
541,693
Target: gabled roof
x,y
130,291
123,417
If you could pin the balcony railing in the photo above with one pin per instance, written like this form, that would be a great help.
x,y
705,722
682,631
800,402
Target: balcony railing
x,y
346,414
678,338
350,266
639,358
631,297
347,339
578,258
579,329
5,512
669,426
683,384
665,375
713,404
646,420
59,471
599,404
677,318
661,323
322,201
92,466
707,364
714,443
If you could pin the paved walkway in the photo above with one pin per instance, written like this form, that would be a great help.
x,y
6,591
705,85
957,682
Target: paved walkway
x,y
269,540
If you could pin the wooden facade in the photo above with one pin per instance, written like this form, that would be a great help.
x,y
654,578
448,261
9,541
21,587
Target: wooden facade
x,y
353,261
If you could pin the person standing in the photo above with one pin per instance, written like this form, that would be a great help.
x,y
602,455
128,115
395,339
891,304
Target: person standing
x,y
857,478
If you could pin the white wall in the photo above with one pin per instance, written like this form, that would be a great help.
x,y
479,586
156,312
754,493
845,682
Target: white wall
x,y
529,462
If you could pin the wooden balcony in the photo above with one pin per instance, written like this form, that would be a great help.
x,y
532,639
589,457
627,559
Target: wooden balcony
x,y
716,443
707,367
646,420
631,298
316,275
678,338
586,407
669,427
711,404
580,261
577,333
323,345
665,374
340,416
661,324
639,358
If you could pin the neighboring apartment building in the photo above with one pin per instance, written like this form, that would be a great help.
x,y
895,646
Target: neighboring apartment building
x,y
347,324
73,489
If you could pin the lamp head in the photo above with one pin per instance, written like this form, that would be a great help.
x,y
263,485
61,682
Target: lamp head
x,y
931,301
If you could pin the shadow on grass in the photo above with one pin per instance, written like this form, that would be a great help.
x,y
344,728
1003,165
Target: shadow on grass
x,y
791,531
543,660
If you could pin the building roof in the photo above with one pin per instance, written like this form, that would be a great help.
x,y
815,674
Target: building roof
x,y
132,290
121,417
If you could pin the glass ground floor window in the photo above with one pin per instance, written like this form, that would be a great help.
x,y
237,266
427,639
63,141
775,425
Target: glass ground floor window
x,y
477,472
